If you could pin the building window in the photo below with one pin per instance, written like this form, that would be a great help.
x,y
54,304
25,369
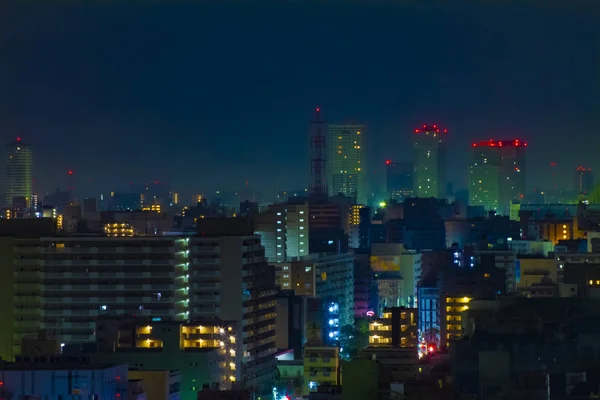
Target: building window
x,y
307,269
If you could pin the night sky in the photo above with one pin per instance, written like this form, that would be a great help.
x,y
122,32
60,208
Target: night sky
x,y
208,97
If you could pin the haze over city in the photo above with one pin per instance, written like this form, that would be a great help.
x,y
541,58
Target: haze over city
x,y
210,96
299,200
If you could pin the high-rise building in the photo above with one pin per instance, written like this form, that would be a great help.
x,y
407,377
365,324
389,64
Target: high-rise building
x,y
399,179
429,162
497,174
584,180
346,162
18,178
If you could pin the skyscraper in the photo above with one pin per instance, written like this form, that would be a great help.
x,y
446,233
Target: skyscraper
x,y
399,179
429,162
584,180
346,162
497,174
18,178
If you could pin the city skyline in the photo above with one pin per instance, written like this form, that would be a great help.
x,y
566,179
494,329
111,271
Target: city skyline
x,y
177,129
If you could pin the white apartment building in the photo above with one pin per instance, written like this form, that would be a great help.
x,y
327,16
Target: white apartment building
x,y
284,231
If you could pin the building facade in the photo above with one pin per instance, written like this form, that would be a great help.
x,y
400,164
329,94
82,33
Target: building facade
x,y
284,231
399,178
205,352
328,277
24,380
584,180
397,327
429,162
346,162
497,174
63,284
19,175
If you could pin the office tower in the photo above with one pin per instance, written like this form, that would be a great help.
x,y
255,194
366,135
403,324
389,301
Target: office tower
x,y
346,162
399,179
18,178
429,162
584,180
497,174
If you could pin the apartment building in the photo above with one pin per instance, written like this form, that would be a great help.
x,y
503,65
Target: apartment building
x,y
205,352
321,367
62,284
329,277
284,231
397,327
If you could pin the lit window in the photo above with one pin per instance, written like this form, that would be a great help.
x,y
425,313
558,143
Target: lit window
x,y
307,269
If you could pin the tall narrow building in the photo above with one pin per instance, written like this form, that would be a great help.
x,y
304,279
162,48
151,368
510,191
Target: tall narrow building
x,y
429,162
19,177
346,162
584,180
497,174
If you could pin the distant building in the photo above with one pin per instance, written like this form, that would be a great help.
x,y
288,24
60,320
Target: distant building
x,y
19,173
429,162
346,162
497,174
584,180
399,179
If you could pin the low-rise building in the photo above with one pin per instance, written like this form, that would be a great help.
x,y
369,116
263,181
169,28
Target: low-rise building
x,y
321,367
61,378
397,327
205,352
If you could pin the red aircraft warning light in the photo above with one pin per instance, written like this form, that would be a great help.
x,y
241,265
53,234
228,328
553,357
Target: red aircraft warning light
x,y
501,143
70,172
18,139
388,162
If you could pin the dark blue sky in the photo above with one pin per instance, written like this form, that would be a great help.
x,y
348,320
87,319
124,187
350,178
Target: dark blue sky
x,y
209,96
